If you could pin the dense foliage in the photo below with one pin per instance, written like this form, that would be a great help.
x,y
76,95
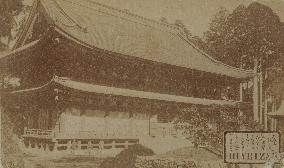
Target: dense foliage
x,y
206,125
8,9
250,37
127,157
11,153
248,32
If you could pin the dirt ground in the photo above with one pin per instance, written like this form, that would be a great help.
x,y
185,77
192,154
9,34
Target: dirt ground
x,y
64,162
33,161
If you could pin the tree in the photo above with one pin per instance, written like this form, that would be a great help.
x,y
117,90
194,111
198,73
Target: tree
x,y
251,38
8,9
248,33
214,36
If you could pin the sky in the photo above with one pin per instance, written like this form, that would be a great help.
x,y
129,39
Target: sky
x,y
196,14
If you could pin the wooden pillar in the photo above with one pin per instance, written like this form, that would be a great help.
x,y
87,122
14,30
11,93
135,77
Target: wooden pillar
x,y
255,93
241,92
275,127
47,147
106,132
79,145
113,144
131,126
195,82
261,98
82,119
41,146
126,145
265,112
69,145
25,130
275,119
272,119
90,146
55,146
271,124
1,126
101,145
221,86
149,124
36,145
29,144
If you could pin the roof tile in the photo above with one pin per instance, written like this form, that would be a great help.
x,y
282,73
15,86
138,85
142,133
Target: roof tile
x,y
122,32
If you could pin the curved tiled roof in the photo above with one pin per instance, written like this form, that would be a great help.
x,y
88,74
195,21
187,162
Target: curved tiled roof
x,y
119,31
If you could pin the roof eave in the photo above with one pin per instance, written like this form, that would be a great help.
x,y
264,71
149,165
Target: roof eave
x,y
127,93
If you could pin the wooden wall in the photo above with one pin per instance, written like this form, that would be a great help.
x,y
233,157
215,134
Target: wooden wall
x,y
74,120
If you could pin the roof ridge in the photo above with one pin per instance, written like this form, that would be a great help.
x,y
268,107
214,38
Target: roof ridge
x,y
133,15
114,15
62,11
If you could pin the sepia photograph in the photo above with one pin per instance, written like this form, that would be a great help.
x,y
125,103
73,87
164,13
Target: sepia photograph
x,y
142,83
